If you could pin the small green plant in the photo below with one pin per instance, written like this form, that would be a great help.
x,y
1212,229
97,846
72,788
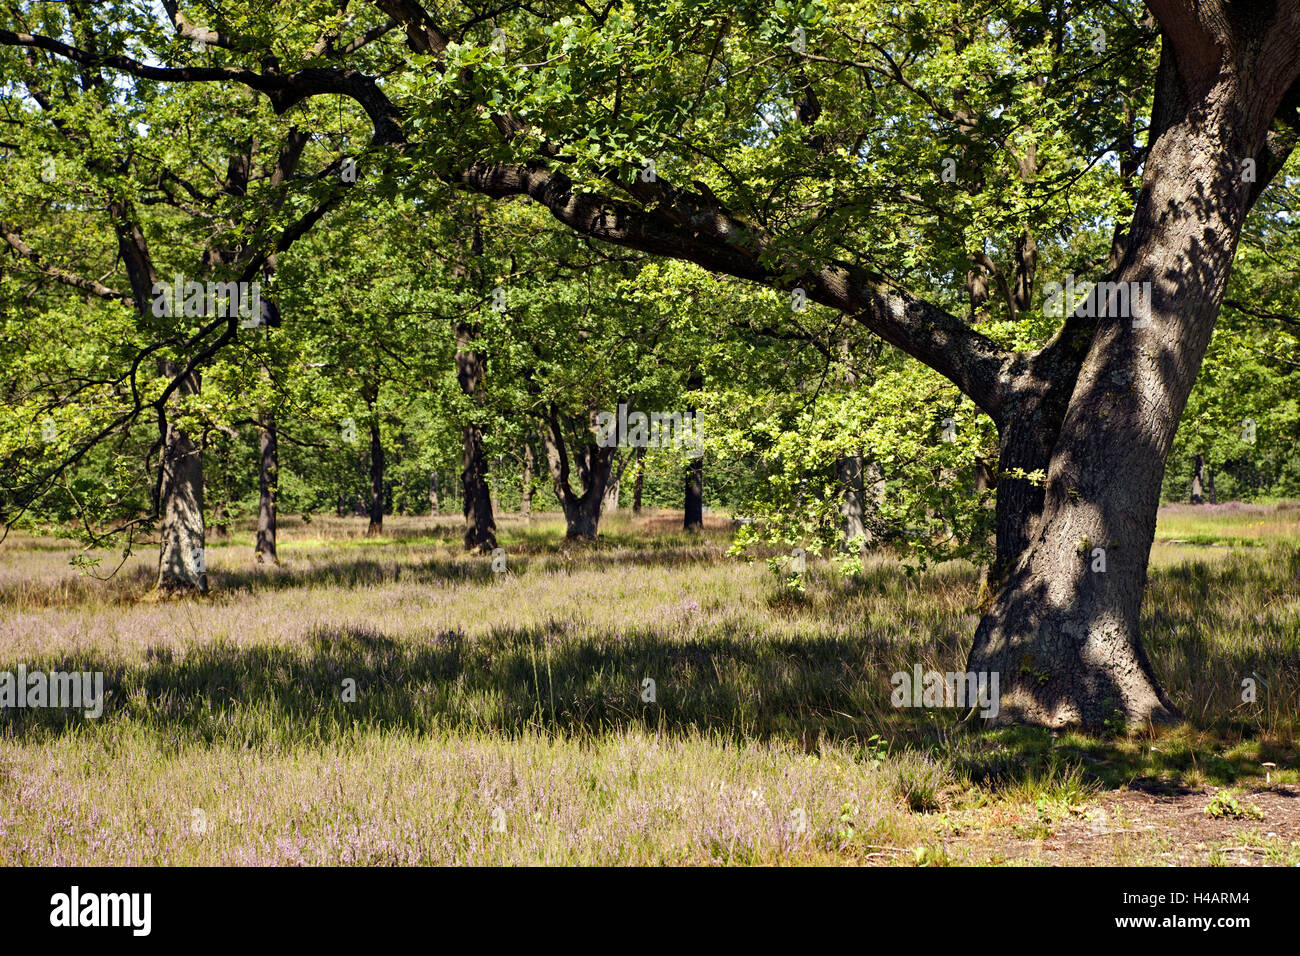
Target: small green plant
x,y
789,571
846,832
1041,828
873,751
1225,806
1117,721
932,856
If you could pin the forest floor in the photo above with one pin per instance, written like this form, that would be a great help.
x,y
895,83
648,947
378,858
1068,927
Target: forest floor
x,y
393,700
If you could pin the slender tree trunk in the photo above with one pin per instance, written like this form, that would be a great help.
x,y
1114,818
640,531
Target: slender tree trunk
x,y
268,477
526,493
376,526
433,493
1198,495
977,290
268,459
637,481
1209,472
480,527
1063,630
610,499
471,372
694,517
182,565
1026,249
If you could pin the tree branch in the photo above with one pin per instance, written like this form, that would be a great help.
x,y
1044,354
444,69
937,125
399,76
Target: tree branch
x,y
690,227
92,286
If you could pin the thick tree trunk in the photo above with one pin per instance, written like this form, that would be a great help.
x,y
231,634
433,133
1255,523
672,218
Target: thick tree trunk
x,y
476,503
582,517
433,493
1063,631
526,492
848,472
581,511
182,565
268,477
1198,488
376,509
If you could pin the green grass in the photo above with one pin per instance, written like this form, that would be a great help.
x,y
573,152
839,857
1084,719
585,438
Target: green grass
x,y
771,738
1231,525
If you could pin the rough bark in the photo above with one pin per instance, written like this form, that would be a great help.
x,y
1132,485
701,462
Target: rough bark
x,y
1095,411
977,290
848,473
1062,632
476,503
593,465
471,372
182,564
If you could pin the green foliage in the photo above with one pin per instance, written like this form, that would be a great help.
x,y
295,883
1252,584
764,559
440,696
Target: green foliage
x,y
823,125
1225,805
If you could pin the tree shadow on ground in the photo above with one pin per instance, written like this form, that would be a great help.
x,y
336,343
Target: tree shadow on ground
x,y
805,691
368,572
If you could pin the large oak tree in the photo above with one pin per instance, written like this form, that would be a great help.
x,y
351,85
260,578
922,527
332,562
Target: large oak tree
x,y
744,138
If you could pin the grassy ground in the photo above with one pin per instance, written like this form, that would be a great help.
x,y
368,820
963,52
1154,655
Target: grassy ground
x,y
499,717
